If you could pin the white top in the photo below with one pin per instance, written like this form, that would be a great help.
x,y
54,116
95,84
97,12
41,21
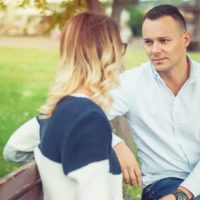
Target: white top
x,y
73,152
165,127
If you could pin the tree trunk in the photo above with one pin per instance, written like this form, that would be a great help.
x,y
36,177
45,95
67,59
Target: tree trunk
x,y
120,124
122,129
117,8
94,6
197,24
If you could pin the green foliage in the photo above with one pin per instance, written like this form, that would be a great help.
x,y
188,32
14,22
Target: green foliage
x,y
58,14
2,5
41,4
67,10
135,21
134,192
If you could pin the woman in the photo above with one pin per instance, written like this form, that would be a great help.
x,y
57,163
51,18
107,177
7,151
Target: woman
x,y
74,156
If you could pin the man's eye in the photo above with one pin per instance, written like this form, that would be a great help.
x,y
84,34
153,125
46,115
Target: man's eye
x,y
148,42
164,41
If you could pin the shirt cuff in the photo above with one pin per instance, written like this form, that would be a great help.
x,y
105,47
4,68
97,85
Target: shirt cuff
x,y
115,140
192,184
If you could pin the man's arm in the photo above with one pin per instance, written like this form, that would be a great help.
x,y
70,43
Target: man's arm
x,y
129,165
191,183
22,142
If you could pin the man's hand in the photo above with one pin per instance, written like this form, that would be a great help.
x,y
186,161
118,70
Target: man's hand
x,y
169,197
129,165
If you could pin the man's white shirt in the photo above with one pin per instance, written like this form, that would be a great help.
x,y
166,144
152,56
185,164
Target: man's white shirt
x,y
165,127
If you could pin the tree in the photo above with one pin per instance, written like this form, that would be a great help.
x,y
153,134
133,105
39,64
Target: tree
x,y
118,6
135,20
69,8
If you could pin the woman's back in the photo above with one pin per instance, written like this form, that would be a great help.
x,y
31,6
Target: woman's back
x,y
75,153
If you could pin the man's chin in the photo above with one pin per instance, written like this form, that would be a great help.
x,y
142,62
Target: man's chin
x,y
160,67
158,63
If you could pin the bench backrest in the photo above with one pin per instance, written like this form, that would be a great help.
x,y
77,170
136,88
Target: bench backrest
x,y
22,184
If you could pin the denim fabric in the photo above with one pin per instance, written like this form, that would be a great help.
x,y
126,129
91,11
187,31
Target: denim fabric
x,y
161,188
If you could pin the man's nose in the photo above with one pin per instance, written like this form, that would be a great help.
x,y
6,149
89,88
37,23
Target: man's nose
x,y
156,48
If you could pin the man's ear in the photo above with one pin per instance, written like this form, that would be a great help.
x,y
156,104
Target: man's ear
x,y
186,39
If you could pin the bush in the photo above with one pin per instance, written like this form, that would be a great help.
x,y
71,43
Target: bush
x,y
135,20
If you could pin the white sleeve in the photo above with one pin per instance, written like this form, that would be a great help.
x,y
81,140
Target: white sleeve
x,y
119,106
94,182
193,180
22,142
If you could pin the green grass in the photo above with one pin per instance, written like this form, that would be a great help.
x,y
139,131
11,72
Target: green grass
x,y
134,58
24,78
25,75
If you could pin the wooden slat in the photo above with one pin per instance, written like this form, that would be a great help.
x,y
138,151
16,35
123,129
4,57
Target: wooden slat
x,y
34,194
122,129
22,184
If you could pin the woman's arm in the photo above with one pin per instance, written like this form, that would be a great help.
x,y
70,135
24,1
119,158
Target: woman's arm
x,y
22,142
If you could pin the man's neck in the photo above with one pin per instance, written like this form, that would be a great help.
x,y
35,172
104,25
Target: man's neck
x,y
175,79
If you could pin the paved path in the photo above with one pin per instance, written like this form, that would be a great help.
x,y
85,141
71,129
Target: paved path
x,y
46,42
29,42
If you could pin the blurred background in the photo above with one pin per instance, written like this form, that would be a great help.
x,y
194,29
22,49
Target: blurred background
x,y
29,51
39,18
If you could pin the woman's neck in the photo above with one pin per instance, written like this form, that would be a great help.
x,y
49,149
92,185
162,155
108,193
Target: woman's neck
x,y
84,90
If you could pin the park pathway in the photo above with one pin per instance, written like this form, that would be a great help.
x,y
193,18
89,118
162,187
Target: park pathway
x,y
29,42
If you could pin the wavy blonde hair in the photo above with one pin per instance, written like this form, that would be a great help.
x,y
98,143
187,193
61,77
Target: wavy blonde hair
x,y
91,51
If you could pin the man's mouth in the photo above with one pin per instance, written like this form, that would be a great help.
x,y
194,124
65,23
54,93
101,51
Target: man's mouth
x,y
158,59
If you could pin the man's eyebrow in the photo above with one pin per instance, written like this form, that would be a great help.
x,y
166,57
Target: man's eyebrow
x,y
163,37
147,39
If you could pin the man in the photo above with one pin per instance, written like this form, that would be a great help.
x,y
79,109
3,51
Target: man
x,y
160,100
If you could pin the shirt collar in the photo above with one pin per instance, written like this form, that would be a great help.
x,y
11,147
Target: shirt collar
x,y
194,70
155,73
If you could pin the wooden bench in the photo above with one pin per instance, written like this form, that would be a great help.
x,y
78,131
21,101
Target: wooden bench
x,y
22,184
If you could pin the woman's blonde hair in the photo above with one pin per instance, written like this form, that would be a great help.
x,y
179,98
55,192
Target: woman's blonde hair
x,y
91,51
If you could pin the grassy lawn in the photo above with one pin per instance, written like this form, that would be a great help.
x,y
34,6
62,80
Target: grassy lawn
x,y
25,75
24,78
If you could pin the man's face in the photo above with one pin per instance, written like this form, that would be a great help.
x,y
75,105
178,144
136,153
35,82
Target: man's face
x,y
165,43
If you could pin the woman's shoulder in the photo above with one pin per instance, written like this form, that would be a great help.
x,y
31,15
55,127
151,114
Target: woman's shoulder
x,y
78,107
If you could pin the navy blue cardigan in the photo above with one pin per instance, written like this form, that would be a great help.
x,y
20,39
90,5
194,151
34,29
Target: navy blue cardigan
x,y
78,133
